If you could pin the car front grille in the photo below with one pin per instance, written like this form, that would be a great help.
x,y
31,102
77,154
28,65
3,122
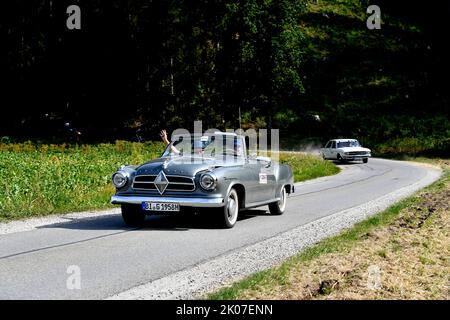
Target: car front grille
x,y
176,183
357,153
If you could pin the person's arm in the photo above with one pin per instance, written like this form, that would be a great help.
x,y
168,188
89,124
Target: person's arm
x,y
163,135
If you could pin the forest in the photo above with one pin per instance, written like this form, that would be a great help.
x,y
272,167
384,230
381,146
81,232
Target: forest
x,y
309,68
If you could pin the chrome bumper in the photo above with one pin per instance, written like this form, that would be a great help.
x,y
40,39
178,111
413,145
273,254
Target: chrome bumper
x,y
184,202
356,156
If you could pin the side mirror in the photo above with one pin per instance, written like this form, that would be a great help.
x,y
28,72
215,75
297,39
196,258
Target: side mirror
x,y
266,161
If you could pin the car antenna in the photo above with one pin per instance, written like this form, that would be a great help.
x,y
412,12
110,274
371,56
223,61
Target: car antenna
x,y
240,125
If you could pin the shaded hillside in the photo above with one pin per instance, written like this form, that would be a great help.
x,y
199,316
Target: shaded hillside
x,y
374,84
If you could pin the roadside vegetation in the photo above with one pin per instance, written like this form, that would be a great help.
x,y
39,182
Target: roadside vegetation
x,y
42,179
402,148
382,87
308,166
401,253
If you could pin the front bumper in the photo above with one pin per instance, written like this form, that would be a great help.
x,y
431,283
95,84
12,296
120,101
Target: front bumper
x,y
355,157
183,202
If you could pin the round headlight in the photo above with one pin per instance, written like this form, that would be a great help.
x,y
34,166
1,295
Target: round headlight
x,y
119,179
208,181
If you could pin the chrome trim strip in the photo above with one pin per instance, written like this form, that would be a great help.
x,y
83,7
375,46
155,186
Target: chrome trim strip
x,y
261,203
180,190
186,183
174,175
184,202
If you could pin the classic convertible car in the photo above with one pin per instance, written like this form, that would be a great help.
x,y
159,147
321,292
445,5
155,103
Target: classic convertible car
x,y
211,173
345,149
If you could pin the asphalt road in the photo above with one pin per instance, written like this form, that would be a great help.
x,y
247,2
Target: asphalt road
x,y
113,258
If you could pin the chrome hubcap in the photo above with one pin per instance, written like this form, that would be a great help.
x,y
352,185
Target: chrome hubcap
x,y
232,208
282,202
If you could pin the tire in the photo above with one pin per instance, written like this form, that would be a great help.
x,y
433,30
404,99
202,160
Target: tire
x,y
339,158
323,156
132,215
227,215
365,160
277,208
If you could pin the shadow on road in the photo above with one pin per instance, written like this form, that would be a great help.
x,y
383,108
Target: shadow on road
x,y
181,222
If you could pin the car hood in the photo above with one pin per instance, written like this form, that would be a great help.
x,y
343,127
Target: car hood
x,y
183,166
352,149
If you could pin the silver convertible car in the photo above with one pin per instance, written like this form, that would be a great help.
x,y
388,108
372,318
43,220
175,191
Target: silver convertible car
x,y
210,173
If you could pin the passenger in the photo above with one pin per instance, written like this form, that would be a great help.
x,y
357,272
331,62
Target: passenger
x,y
163,135
198,145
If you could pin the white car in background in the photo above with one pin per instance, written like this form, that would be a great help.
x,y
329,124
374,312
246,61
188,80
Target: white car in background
x,y
345,150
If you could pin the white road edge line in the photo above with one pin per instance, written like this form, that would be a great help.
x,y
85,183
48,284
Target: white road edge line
x,y
37,222
194,282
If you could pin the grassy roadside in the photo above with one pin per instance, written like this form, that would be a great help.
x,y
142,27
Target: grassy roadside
x,y
307,166
39,179
401,253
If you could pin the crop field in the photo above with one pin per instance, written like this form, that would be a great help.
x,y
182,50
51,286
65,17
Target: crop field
x,y
41,179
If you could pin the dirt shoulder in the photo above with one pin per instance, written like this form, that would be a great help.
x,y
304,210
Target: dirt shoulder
x,y
402,253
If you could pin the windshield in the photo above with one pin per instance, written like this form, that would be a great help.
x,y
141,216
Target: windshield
x,y
214,146
349,143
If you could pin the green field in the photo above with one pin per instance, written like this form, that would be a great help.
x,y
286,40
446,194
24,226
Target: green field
x,y
41,179
45,179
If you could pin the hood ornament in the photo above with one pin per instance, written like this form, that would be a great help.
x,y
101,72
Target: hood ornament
x,y
161,182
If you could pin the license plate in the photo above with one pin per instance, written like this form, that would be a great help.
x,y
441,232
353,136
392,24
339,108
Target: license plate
x,y
161,206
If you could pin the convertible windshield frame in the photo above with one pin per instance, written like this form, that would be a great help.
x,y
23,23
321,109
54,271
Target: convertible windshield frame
x,y
210,147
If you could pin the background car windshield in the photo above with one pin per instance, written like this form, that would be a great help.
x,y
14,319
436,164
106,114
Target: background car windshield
x,y
350,143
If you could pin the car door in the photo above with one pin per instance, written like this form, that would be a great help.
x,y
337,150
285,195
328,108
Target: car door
x,y
267,179
333,150
259,182
326,150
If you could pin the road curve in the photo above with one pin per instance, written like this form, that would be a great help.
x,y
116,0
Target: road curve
x,y
113,259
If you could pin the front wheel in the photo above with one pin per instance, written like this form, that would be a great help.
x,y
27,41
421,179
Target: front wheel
x,y
339,158
132,215
365,160
277,208
228,214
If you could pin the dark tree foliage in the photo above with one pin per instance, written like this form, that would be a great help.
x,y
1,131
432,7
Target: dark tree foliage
x,y
146,64
137,66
